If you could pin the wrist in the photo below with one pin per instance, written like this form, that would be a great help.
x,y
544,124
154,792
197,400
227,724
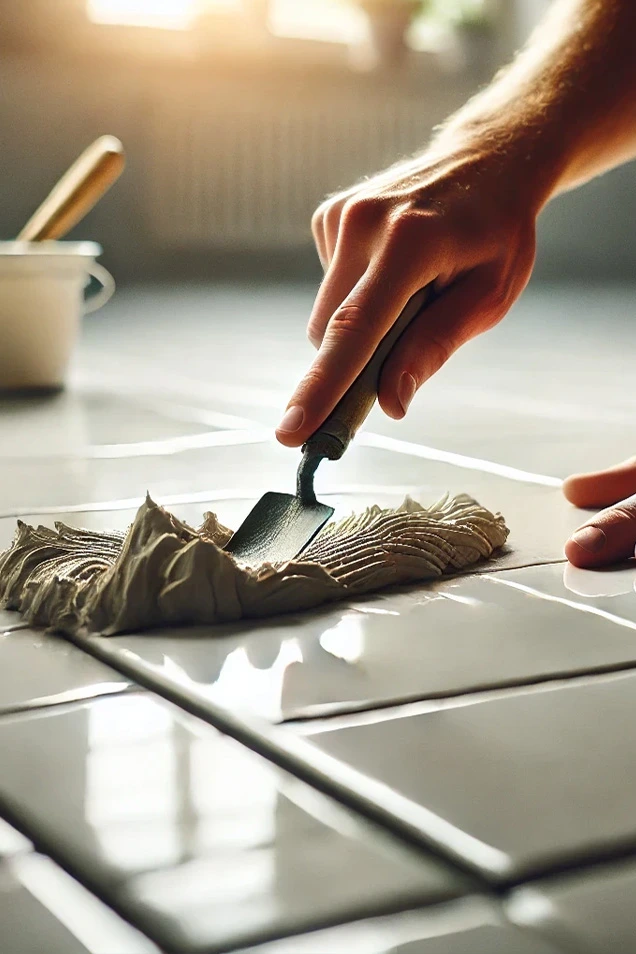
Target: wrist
x,y
527,158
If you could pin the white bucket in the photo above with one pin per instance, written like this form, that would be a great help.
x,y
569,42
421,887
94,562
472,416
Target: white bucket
x,y
42,300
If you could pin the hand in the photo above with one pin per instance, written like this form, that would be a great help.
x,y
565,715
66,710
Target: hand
x,y
610,536
463,218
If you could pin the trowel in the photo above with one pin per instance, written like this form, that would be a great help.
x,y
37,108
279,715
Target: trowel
x,y
281,526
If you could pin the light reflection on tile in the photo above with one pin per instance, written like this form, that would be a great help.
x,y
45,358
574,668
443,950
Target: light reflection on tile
x,y
345,640
200,839
471,926
43,909
594,909
450,637
79,419
12,841
613,581
544,776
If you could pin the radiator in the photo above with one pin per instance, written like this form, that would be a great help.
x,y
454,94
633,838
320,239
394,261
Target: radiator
x,y
242,167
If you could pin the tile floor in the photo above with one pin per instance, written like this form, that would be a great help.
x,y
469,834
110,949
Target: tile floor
x,y
439,770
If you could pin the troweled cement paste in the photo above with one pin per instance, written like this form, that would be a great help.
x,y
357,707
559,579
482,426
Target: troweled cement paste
x,y
163,573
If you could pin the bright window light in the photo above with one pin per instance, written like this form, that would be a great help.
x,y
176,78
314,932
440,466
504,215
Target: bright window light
x,y
329,20
168,14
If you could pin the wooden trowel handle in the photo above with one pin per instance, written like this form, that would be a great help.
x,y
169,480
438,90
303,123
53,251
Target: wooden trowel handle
x,y
334,436
77,192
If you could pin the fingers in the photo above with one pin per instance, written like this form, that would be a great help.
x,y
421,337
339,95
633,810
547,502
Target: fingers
x,y
347,229
608,538
353,333
611,535
473,303
325,227
603,487
318,232
342,276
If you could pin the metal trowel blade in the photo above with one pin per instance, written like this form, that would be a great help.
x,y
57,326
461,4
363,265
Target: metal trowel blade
x,y
278,529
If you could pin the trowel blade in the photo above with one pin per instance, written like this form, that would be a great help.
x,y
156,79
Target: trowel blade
x,y
277,529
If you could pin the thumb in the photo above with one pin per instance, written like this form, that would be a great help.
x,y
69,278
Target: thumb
x,y
608,538
472,304
602,487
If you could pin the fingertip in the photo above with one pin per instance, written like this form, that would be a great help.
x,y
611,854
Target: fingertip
x,y
388,397
578,556
292,427
572,490
391,406
397,390
601,488
287,439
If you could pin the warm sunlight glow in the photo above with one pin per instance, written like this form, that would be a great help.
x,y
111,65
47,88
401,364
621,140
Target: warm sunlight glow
x,y
329,20
169,14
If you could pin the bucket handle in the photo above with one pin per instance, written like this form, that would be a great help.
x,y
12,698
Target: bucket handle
x,y
99,298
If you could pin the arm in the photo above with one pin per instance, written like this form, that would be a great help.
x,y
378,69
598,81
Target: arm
x,y
570,95
462,215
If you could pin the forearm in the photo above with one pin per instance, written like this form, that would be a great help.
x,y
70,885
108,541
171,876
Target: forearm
x,y
566,107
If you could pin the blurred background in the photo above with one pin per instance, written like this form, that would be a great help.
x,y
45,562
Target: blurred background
x,y
239,116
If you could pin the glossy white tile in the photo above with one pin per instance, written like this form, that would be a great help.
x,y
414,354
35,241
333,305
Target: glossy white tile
x,y
471,926
231,478
465,634
515,784
43,909
83,420
203,842
594,909
38,669
505,396
10,620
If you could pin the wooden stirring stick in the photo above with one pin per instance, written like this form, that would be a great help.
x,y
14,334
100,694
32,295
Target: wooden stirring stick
x,y
79,189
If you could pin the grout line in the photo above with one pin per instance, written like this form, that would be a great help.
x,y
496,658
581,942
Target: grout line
x,y
111,897
283,748
128,503
65,699
5,630
108,895
338,784
413,449
434,702
598,856
248,494
166,447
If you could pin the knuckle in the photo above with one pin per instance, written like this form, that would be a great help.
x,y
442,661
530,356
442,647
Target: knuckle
x,y
347,320
317,220
624,511
313,385
404,226
361,212
331,217
319,214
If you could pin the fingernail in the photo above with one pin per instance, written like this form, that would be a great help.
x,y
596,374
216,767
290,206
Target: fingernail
x,y
591,539
292,419
406,390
